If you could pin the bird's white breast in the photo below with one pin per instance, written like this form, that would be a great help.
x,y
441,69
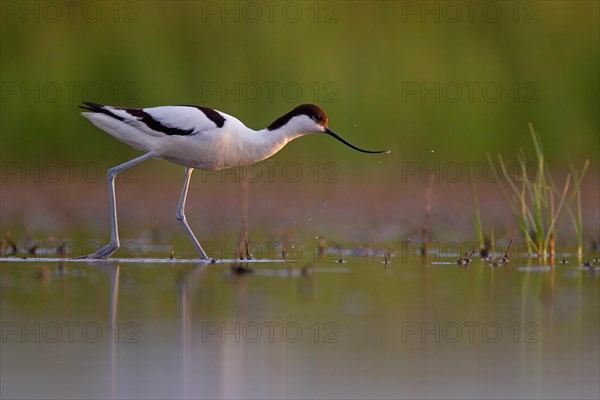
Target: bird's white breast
x,y
230,146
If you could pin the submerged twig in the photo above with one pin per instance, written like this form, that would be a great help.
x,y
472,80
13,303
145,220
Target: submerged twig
x,y
8,243
243,243
426,222
505,257
477,223
321,249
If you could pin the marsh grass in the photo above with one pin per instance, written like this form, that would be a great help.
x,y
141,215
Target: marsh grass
x,y
538,202
576,215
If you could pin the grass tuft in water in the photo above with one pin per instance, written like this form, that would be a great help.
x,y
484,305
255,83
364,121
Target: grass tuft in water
x,y
575,215
538,203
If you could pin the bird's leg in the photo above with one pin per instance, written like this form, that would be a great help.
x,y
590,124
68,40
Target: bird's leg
x,y
181,214
114,244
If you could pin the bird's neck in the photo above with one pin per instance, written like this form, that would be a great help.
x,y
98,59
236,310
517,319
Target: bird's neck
x,y
245,145
278,138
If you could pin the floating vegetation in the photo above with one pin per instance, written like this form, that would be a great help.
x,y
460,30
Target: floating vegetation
x,y
466,259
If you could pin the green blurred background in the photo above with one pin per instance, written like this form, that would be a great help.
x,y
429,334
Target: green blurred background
x,y
419,78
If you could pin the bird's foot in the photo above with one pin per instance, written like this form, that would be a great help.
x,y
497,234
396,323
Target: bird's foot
x,y
102,253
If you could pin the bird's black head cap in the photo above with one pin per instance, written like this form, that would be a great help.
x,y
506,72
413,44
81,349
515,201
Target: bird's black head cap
x,y
310,110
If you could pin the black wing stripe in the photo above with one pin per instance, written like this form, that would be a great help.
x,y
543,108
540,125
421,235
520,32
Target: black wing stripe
x,y
211,114
151,122
156,125
99,108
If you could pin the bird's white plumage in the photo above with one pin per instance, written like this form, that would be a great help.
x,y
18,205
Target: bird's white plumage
x,y
207,146
204,138
143,139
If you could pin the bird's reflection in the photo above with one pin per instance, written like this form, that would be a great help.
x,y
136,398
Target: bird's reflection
x,y
229,357
186,286
113,271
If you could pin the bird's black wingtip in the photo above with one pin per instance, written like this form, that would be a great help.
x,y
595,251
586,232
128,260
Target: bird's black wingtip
x,y
89,106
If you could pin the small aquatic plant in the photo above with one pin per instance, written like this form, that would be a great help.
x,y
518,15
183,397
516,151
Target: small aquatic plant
x,y
538,203
575,215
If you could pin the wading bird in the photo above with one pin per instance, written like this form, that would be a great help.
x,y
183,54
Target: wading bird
x,y
197,138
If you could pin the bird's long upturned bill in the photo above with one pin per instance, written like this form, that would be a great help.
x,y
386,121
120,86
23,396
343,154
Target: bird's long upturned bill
x,y
338,137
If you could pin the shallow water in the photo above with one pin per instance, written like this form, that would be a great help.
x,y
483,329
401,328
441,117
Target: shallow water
x,y
361,329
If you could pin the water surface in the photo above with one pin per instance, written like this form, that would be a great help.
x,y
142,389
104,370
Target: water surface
x,y
360,329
